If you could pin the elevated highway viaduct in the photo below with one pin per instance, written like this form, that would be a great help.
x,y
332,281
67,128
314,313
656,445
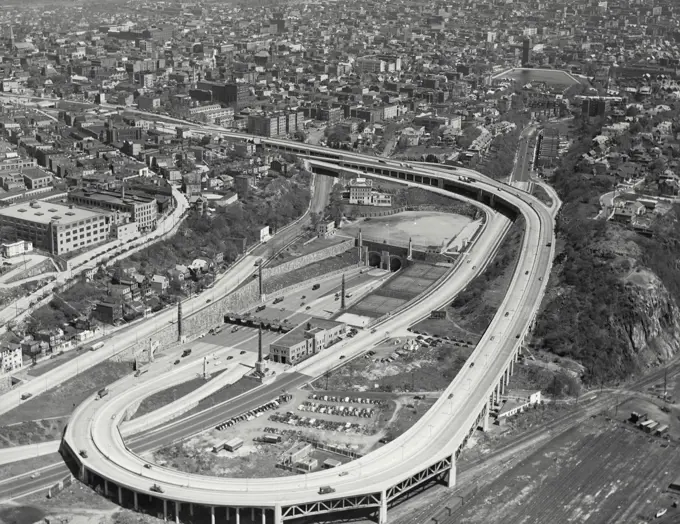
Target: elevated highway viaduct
x,y
427,451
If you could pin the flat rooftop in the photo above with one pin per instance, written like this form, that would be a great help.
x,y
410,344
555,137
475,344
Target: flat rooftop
x,y
113,197
46,212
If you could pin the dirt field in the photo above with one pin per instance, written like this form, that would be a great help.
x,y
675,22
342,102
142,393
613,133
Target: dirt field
x,y
603,471
425,369
61,400
426,228
471,312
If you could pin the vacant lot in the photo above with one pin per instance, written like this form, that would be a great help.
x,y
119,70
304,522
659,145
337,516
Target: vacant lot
x,y
471,312
426,369
61,400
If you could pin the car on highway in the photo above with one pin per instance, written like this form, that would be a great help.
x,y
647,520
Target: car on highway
x,y
242,352
26,396
342,356
83,453
472,364
156,489
35,475
507,313
176,362
326,489
344,473
147,466
229,357
303,297
234,329
308,307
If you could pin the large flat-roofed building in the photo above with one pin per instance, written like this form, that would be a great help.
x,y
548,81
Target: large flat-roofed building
x,y
142,209
306,340
55,227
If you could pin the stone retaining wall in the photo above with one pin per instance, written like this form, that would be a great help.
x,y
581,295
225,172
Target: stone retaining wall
x,y
308,259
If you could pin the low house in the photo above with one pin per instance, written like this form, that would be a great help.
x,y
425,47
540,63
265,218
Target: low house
x,y
160,284
517,401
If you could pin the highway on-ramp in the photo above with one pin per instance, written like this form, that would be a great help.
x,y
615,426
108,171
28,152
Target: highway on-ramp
x,y
435,439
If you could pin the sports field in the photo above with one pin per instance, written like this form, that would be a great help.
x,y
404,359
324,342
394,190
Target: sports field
x,y
426,228
401,288
549,76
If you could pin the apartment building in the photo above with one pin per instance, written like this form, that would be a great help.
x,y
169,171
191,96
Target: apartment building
x,y
11,359
54,227
276,124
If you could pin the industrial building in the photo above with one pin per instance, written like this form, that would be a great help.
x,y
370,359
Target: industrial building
x,y
143,210
54,227
306,340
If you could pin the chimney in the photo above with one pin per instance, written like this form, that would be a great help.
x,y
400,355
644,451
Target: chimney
x,y
259,344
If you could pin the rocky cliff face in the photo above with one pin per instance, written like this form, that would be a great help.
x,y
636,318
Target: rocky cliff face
x,y
653,332
610,306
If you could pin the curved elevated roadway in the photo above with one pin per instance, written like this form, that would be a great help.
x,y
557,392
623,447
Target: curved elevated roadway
x,y
428,450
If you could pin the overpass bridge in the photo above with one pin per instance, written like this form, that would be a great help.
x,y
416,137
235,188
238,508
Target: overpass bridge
x,y
427,451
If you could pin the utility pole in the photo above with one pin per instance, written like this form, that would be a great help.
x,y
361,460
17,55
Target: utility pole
x,y
665,383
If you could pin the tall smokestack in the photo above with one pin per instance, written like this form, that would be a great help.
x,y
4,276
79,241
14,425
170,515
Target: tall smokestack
x,y
259,344
342,296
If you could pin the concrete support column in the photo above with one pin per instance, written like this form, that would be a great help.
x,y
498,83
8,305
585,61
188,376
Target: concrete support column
x,y
212,514
512,366
507,376
106,488
238,515
135,500
278,517
165,510
227,512
451,477
120,495
178,507
191,509
485,418
252,514
264,516
382,517
83,474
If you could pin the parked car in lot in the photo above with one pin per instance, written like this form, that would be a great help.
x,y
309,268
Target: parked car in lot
x,y
176,362
242,352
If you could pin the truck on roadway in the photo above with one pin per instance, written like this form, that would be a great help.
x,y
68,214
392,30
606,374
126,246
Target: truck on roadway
x,y
323,490
95,347
102,393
